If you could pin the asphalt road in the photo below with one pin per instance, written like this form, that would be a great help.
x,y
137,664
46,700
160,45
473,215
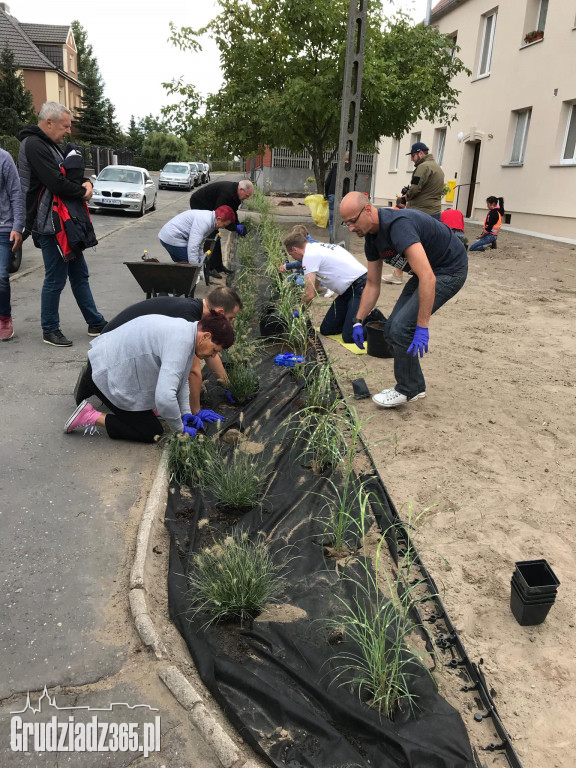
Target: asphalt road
x,y
68,503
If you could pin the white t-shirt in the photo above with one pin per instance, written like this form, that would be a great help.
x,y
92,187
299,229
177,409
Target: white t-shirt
x,y
334,265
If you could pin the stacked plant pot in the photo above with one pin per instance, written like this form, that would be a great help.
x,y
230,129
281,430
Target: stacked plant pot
x,y
533,591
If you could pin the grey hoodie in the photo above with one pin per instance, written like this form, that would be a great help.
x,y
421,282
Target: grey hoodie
x,y
11,198
144,364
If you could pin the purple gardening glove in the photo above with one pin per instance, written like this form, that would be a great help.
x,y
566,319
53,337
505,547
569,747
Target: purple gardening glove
x,y
229,396
358,335
419,342
189,420
190,431
295,313
241,229
208,416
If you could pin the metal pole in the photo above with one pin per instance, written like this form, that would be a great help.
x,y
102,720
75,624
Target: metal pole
x,y
350,114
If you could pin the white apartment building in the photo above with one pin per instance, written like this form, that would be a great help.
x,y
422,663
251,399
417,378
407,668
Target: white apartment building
x,y
515,132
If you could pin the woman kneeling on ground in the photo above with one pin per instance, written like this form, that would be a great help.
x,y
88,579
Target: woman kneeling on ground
x,y
142,367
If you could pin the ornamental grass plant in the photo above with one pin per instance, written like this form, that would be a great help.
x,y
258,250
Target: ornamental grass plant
x,y
187,457
320,436
236,480
376,659
233,580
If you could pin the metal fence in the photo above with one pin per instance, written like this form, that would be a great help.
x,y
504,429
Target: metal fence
x,y
284,158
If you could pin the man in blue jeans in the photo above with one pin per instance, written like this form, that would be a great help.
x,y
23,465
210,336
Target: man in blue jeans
x,y
417,243
339,271
41,177
11,227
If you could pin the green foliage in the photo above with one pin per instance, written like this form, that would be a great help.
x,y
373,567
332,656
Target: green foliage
x,y
182,117
16,108
283,64
233,580
187,457
243,381
320,435
161,148
11,145
380,662
319,384
236,480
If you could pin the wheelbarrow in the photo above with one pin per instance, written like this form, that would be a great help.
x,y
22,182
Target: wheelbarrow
x,y
158,279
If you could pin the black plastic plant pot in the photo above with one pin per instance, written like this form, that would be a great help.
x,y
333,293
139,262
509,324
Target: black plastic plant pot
x,y
360,389
377,343
528,614
535,577
270,324
528,599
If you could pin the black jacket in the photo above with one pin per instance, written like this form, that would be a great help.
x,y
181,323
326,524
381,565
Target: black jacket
x,y
213,195
41,178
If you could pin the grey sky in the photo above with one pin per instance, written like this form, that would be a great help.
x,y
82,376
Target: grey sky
x,y
130,41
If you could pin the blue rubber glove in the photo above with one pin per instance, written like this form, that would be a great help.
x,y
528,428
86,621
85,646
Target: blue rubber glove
x,y
358,336
209,416
190,431
188,419
295,313
229,396
241,229
419,342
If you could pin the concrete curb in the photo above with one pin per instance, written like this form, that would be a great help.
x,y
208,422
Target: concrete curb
x,y
179,686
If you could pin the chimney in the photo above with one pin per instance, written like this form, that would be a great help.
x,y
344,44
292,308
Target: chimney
x,y
5,7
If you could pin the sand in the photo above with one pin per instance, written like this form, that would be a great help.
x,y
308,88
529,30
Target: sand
x,y
493,445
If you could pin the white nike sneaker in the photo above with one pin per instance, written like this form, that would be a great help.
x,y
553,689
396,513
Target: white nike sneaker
x,y
390,398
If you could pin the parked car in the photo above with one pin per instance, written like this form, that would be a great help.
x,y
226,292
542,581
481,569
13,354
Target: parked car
x,y
177,175
124,188
194,167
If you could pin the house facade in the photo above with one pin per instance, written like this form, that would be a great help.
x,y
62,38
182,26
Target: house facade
x,y
46,56
515,132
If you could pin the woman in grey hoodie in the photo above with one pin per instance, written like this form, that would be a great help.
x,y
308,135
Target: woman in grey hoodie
x,y
140,371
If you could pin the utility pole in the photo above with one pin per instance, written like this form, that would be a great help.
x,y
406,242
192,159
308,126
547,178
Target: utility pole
x,y
350,114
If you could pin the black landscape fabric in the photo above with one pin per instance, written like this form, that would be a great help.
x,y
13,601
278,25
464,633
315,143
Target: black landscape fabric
x,y
275,680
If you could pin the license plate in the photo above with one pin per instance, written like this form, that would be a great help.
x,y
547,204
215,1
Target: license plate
x,y
109,201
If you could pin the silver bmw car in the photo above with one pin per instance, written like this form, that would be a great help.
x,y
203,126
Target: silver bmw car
x,y
124,188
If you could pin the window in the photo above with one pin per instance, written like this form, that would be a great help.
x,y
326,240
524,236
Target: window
x,y
439,143
487,44
520,136
452,38
569,150
542,13
71,64
394,156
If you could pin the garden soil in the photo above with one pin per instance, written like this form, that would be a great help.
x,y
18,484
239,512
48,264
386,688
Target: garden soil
x,y
493,447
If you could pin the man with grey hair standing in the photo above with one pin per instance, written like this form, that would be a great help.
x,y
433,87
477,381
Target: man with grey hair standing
x,y
212,196
42,177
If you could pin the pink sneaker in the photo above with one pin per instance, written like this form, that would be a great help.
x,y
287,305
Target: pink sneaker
x,y
6,327
84,416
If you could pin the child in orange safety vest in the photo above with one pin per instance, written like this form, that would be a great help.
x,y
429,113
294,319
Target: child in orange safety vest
x,y
492,225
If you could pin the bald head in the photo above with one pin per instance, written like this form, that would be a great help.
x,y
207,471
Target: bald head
x,y
358,214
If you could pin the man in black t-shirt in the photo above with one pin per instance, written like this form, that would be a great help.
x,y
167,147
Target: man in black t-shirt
x,y
222,299
417,243
210,197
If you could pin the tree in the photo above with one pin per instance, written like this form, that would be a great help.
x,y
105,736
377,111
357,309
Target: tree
x,y
135,137
283,63
161,148
182,118
17,107
94,120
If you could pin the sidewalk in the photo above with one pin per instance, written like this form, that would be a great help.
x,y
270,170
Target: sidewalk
x,y
71,505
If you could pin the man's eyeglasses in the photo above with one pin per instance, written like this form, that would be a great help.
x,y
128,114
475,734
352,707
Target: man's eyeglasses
x,y
351,222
